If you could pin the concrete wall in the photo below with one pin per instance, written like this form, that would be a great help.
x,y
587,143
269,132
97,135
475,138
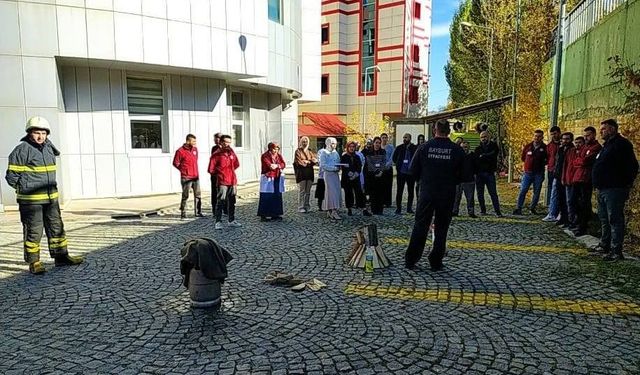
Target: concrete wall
x,y
587,94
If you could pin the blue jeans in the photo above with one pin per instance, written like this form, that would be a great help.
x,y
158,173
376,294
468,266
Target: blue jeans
x,y
528,179
611,213
554,207
488,179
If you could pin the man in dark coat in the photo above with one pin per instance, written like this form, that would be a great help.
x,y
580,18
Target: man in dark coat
x,y
468,182
401,158
32,172
614,171
487,154
438,165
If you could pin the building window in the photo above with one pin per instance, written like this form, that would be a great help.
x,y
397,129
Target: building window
x,y
324,85
275,10
146,112
416,53
239,118
325,33
368,47
416,10
413,94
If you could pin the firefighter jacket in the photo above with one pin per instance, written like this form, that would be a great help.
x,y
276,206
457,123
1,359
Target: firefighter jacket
x,y
534,158
32,172
583,163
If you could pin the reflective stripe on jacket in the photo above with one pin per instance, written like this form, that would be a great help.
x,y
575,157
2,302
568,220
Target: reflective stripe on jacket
x,y
32,172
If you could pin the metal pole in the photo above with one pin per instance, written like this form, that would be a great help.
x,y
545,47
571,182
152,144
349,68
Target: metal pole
x,y
490,66
366,89
555,103
514,79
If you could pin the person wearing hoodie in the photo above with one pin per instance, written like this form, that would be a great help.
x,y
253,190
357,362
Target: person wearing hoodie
x,y
32,173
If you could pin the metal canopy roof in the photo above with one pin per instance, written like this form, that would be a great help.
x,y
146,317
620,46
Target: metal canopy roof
x,y
465,111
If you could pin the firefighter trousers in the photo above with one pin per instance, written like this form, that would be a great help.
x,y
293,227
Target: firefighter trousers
x,y
36,216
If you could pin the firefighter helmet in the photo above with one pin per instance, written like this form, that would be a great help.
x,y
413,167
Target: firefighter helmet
x,y
38,123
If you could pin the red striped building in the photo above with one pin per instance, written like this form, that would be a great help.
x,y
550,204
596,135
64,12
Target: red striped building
x,y
395,35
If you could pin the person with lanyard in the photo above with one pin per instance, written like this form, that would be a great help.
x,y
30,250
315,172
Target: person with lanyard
x,y
375,167
351,171
438,164
401,158
387,174
270,206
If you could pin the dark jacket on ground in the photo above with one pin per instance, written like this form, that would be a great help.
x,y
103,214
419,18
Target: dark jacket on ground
x,y
399,153
207,256
438,166
355,166
32,172
487,157
535,159
616,165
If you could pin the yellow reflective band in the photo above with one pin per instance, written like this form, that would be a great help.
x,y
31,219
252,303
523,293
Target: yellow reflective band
x,y
31,247
53,245
28,168
57,239
37,197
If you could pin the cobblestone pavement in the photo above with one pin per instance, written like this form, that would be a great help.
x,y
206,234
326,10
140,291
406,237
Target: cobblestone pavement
x,y
500,305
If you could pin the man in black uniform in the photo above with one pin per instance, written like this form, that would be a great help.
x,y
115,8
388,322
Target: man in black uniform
x,y
32,172
438,166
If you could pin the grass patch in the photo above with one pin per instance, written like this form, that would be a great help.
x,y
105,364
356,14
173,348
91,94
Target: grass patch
x,y
624,276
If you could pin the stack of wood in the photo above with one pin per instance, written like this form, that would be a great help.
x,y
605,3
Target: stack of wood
x,y
364,240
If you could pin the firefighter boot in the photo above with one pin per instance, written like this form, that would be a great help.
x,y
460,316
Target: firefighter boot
x,y
68,260
37,268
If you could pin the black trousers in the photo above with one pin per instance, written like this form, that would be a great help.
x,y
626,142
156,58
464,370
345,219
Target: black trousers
x,y
36,216
226,198
428,207
582,196
353,194
214,195
376,189
401,180
186,186
387,183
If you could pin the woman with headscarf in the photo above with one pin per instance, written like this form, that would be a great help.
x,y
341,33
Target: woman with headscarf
x,y
330,166
271,184
303,164
375,165
351,170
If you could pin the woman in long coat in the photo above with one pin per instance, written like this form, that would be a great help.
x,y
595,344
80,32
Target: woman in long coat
x,y
303,164
329,166
351,170
375,165
271,184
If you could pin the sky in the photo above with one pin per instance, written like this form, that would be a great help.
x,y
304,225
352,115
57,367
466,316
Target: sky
x,y
443,11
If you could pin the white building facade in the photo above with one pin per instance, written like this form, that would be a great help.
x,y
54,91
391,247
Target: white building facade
x,y
122,82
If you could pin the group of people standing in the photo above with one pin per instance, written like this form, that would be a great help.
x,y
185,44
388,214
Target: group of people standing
x,y
574,168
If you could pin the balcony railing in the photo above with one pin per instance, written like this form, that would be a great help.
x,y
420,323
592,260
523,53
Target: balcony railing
x,y
585,15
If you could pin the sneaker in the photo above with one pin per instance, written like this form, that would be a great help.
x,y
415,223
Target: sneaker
x,y
264,218
275,218
366,213
410,211
68,260
533,211
473,216
483,213
455,214
349,212
199,214
410,266
183,215
37,268
499,214
302,210
517,211
219,225
599,250
578,232
238,225
613,257
548,219
398,212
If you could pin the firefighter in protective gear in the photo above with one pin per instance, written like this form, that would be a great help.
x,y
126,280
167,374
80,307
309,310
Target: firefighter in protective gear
x,y
32,172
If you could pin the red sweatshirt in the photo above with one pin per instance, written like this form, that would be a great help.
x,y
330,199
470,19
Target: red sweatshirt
x,y
223,163
186,161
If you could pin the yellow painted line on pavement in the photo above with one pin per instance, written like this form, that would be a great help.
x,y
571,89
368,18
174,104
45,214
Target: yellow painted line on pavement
x,y
499,300
473,245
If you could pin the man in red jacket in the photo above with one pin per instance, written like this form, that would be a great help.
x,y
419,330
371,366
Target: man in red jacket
x,y
583,189
552,182
223,164
534,156
186,161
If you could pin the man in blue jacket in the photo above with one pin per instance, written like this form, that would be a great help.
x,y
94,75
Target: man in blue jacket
x,y
32,172
613,174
